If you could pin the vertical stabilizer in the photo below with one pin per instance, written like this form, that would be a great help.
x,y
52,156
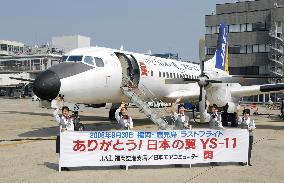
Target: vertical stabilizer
x,y
220,61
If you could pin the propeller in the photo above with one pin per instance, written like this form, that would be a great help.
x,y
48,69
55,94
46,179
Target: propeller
x,y
202,81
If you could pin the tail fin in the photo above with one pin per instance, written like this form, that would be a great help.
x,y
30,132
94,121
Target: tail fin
x,y
220,60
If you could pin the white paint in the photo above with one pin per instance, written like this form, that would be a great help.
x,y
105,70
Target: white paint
x,y
72,156
102,84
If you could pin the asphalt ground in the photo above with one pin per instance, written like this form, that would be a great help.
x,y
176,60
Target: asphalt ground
x,y
27,150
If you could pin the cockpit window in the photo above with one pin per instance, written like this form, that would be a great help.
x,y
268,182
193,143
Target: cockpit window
x,y
89,60
63,59
75,58
99,62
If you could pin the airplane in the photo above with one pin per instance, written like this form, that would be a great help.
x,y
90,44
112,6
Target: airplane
x,y
96,75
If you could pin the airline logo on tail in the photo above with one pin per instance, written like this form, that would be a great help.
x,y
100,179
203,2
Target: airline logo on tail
x,y
222,61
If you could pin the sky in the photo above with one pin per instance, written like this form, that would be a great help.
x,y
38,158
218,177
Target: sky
x,y
139,25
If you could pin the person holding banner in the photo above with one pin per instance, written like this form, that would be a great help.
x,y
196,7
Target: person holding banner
x,y
215,122
65,123
248,123
123,119
181,120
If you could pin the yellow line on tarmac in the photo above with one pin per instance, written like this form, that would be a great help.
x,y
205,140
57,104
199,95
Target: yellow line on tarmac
x,y
17,143
20,142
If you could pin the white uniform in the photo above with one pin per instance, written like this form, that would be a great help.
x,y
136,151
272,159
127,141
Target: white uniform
x,y
63,122
123,123
215,121
247,124
181,121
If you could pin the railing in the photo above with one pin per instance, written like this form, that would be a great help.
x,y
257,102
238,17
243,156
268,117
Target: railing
x,y
277,61
276,73
144,92
162,110
278,49
274,35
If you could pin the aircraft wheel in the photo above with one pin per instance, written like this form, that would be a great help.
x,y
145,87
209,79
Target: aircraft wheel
x,y
111,114
80,127
224,119
234,121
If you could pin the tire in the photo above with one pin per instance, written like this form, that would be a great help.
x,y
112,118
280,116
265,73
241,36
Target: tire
x,y
224,119
111,114
80,127
234,121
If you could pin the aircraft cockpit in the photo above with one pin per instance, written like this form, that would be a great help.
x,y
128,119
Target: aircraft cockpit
x,y
94,61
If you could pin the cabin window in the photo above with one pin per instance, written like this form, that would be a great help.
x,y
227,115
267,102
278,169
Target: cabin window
x,y
180,76
171,75
174,75
89,60
164,74
74,58
160,74
152,73
168,75
177,75
99,62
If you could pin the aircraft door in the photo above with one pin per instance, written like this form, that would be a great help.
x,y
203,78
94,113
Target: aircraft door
x,y
135,72
130,68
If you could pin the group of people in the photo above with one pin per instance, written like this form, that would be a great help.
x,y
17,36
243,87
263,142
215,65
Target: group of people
x,y
125,122
215,122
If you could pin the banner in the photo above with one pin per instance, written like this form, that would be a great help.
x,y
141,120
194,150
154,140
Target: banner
x,y
109,148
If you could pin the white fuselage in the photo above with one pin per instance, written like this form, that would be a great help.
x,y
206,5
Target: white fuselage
x,y
103,84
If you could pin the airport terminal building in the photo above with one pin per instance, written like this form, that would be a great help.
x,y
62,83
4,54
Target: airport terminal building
x,y
18,60
255,37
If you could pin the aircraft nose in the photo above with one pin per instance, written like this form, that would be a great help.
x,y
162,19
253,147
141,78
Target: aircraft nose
x,y
47,85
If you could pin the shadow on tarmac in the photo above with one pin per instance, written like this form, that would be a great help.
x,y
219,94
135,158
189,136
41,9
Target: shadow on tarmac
x,y
54,166
41,132
29,113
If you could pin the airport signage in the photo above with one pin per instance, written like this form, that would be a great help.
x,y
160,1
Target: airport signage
x,y
110,148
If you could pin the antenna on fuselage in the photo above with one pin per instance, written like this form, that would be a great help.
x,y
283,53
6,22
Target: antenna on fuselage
x,y
121,48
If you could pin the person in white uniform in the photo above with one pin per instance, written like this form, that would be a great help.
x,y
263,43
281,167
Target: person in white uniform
x,y
65,124
248,123
215,122
123,119
181,120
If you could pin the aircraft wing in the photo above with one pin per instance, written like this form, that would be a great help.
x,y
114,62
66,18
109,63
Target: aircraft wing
x,y
185,94
256,89
22,79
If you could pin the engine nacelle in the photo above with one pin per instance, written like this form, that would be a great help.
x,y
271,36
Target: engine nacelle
x,y
219,94
231,107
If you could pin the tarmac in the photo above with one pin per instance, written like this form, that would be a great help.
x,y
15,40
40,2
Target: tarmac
x,y
27,151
